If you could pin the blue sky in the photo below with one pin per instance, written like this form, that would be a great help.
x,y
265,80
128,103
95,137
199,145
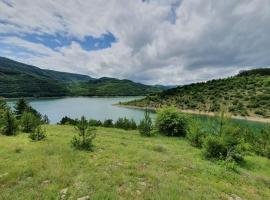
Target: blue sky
x,y
148,41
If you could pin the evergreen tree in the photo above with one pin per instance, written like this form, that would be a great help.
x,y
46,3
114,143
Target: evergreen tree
x,y
146,126
9,123
20,107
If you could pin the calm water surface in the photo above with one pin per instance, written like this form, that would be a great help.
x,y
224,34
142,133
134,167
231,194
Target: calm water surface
x,y
91,107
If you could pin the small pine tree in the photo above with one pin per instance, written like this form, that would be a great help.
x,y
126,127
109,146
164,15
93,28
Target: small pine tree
x,y
146,126
38,134
85,137
20,107
9,123
29,122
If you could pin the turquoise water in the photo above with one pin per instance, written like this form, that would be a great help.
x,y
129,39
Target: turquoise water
x,y
90,107
101,109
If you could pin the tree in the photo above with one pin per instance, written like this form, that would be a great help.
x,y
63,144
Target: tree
x,y
3,104
20,107
9,123
171,122
146,126
29,122
38,134
86,134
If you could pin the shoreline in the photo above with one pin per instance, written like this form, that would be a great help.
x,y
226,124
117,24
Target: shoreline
x,y
248,118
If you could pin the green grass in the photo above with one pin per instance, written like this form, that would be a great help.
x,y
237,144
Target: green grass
x,y
123,165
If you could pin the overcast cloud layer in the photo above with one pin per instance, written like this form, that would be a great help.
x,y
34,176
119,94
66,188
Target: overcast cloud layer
x,y
150,41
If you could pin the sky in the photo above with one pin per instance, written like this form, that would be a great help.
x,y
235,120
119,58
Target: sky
x,y
169,42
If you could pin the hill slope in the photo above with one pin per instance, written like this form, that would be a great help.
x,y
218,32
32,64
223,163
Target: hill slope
x,y
123,165
246,94
21,80
112,87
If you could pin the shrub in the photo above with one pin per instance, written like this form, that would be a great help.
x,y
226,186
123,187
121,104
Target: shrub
x,y
145,127
93,122
125,123
196,134
29,122
85,137
108,123
45,119
170,122
9,123
38,134
67,121
262,142
214,148
229,145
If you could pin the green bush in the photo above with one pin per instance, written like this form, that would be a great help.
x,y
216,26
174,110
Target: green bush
x,y
146,126
171,122
38,134
261,143
228,146
29,122
86,135
108,123
125,123
214,148
9,124
196,134
93,122
67,121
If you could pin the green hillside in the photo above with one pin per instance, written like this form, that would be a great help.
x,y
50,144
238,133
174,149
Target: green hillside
x,y
123,165
21,80
112,87
246,94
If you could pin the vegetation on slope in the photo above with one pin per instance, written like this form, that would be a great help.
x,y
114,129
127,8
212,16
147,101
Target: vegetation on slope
x,y
123,165
112,87
21,80
246,94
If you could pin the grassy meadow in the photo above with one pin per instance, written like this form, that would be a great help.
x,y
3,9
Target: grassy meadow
x,y
123,165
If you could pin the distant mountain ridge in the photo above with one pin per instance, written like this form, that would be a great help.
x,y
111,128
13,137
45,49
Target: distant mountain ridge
x,y
22,80
8,64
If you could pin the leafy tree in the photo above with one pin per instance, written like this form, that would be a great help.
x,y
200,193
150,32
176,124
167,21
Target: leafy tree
x,y
146,126
86,135
9,123
29,122
171,122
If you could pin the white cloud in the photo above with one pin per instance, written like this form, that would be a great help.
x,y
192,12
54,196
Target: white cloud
x,y
207,38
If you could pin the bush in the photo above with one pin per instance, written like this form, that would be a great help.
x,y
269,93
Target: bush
x,y
214,148
125,123
108,123
86,135
93,122
228,146
67,121
38,134
196,134
261,144
145,127
29,122
9,125
171,122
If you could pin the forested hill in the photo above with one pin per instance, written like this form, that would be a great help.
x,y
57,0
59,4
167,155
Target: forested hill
x,y
246,94
112,87
22,80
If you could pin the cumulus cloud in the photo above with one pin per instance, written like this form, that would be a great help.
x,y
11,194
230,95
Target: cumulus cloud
x,y
158,41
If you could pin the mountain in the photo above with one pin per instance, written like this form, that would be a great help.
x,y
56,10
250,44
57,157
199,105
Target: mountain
x,y
20,68
22,80
112,87
246,94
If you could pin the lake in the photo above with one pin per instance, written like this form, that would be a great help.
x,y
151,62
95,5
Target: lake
x,y
101,108
91,107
